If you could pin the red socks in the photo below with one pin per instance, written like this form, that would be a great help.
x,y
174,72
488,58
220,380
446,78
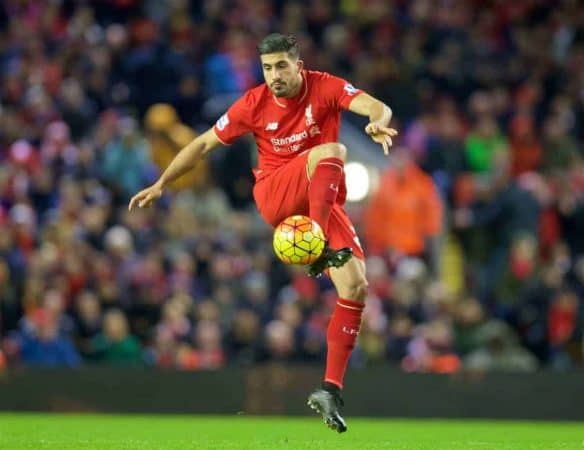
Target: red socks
x,y
324,188
341,335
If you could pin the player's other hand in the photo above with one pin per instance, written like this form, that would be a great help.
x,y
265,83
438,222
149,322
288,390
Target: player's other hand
x,y
381,135
146,197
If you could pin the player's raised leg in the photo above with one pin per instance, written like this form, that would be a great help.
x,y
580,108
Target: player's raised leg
x,y
342,332
325,168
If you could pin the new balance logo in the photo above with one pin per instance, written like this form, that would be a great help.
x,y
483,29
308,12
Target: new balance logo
x,y
272,126
351,331
334,187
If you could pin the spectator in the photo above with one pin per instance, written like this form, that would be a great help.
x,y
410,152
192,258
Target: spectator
x,y
431,350
233,68
409,201
167,135
88,321
562,323
400,333
279,341
126,160
513,210
525,145
470,317
500,351
242,340
560,149
45,347
482,145
115,345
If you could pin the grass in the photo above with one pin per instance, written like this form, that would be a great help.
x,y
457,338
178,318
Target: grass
x,y
116,432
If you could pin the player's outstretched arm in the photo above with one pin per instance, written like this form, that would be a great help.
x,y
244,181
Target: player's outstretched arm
x,y
184,161
379,117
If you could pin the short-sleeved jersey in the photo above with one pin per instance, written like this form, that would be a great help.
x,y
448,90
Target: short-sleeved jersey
x,y
286,127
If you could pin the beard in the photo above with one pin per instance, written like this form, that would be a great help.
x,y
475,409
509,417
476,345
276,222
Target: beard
x,y
280,89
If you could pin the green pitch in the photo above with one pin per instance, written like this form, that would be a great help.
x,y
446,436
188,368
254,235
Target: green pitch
x,y
64,432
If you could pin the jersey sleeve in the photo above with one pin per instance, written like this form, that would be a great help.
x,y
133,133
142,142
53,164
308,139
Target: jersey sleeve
x,y
235,122
338,92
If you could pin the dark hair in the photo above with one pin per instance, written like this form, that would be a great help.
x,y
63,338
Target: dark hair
x,y
277,42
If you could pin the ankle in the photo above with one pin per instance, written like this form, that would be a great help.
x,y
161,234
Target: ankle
x,y
331,387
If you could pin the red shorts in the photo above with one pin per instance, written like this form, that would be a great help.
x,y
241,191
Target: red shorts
x,y
284,193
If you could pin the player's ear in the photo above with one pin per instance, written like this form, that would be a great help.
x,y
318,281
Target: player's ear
x,y
300,65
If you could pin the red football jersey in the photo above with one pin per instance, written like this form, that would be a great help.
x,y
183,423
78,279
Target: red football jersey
x,y
285,127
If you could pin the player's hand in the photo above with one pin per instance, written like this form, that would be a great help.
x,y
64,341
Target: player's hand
x,y
381,135
146,197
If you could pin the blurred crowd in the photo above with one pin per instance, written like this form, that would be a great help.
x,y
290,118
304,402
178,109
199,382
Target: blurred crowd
x,y
474,236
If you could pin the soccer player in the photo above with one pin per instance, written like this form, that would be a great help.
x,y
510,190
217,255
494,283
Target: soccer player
x,y
294,117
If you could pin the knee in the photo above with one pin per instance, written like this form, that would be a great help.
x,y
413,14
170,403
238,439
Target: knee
x,y
333,150
357,290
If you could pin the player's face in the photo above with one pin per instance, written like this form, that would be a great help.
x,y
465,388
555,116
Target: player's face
x,y
282,73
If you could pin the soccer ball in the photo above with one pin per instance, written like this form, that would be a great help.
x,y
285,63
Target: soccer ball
x,y
298,240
